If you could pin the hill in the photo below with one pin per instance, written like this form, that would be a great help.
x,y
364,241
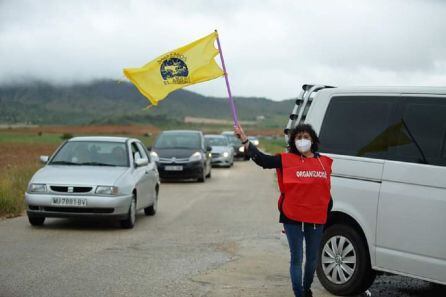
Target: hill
x,y
109,102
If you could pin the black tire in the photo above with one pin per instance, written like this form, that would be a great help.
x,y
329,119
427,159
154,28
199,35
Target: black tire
x,y
36,221
129,222
209,174
361,276
202,179
152,209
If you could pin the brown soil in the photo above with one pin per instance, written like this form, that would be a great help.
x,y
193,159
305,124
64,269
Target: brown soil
x,y
19,154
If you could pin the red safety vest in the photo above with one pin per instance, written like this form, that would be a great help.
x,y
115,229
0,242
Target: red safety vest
x,y
304,184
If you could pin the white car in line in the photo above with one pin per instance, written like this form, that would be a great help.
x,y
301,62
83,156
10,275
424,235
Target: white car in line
x,y
109,177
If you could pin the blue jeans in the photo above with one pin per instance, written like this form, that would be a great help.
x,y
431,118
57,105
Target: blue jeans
x,y
313,235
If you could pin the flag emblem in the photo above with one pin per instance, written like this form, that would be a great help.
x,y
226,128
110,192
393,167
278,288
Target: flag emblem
x,y
174,70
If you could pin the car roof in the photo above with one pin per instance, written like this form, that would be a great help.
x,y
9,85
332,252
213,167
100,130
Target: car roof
x,y
101,138
181,131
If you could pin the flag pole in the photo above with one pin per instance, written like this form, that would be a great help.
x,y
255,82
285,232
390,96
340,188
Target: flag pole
x,y
231,101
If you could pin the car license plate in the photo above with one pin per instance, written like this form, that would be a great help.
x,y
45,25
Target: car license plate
x,y
69,201
174,168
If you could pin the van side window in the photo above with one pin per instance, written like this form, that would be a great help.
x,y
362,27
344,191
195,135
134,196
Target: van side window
x,y
422,135
358,126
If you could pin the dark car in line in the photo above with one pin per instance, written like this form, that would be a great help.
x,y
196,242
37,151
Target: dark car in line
x,y
182,154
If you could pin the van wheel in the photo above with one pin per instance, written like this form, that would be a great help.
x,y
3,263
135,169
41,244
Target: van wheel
x,y
36,221
344,262
129,222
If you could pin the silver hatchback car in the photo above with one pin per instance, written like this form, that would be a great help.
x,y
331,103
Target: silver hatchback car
x,y
109,177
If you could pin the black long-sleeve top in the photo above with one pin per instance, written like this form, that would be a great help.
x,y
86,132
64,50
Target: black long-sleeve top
x,y
269,162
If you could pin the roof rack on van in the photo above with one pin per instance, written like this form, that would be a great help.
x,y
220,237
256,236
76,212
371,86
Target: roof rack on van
x,y
301,106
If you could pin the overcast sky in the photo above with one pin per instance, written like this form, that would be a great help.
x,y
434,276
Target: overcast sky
x,y
270,47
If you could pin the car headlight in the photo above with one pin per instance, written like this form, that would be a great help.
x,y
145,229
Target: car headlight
x,y
106,190
195,157
37,188
255,142
241,149
225,154
154,156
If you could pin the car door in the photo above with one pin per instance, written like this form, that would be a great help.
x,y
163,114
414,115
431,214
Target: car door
x,y
141,178
151,173
411,236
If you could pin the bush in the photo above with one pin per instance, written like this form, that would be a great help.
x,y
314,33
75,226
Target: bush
x,y
13,183
66,136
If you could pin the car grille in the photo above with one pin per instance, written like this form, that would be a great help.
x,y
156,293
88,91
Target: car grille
x,y
215,155
78,210
70,189
174,160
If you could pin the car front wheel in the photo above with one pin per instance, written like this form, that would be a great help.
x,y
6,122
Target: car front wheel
x,y
129,222
202,179
210,173
151,210
344,263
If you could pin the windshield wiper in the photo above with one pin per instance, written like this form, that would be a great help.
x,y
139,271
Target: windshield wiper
x,y
63,163
97,164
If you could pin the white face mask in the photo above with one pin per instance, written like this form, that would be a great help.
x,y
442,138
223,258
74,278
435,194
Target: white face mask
x,y
303,145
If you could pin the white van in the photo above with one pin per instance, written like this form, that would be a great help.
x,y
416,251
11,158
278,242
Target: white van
x,y
388,182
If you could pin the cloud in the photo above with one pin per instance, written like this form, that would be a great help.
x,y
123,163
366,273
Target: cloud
x,y
271,47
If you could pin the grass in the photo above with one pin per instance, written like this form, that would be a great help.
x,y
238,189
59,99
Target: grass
x,y
7,137
13,183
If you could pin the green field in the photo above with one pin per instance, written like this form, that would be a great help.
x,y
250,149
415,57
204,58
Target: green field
x,y
272,145
8,137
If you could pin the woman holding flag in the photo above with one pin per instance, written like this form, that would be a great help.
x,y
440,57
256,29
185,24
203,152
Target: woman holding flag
x,y
303,174
304,182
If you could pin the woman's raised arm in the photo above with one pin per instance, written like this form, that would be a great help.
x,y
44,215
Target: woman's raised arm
x,y
264,160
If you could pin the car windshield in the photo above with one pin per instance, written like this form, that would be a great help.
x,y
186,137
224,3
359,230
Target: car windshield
x,y
233,140
217,141
93,153
178,140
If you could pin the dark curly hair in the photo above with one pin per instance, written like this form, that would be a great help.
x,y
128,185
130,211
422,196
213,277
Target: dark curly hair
x,y
299,129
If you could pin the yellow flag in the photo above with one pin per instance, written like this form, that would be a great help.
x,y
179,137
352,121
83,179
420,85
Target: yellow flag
x,y
187,65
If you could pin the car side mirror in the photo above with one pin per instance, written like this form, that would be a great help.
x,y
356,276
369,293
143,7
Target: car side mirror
x,y
44,159
141,162
208,148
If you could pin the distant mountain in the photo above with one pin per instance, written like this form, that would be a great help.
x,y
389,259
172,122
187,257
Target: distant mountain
x,y
107,101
